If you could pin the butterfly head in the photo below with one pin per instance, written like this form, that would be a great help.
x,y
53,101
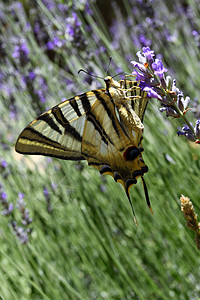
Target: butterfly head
x,y
111,83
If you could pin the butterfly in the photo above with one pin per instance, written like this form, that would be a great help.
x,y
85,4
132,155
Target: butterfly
x,y
103,126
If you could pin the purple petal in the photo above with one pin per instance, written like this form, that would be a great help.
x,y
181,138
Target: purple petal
x,y
151,93
158,68
139,76
197,129
148,53
141,67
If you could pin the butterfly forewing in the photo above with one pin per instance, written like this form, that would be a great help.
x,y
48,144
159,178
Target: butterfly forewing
x,y
58,132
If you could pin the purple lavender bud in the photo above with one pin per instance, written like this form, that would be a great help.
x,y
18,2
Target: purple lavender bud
x,y
62,7
50,45
141,67
26,79
148,53
3,164
88,10
72,24
20,195
47,196
197,129
49,4
182,103
3,196
144,40
26,220
151,93
170,112
158,68
7,211
139,76
46,192
21,52
57,42
187,133
37,28
20,233
10,207
31,75
20,202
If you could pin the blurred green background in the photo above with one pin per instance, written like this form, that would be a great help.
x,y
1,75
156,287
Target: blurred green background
x,y
65,231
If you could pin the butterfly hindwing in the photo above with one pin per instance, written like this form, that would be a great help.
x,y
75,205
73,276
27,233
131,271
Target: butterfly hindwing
x,y
138,97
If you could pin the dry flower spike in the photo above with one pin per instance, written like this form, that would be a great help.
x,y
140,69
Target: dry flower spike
x,y
191,217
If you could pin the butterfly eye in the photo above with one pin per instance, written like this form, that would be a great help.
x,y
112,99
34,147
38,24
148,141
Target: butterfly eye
x,y
131,153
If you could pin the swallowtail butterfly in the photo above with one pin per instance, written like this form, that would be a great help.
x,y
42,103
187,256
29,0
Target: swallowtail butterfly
x,y
103,126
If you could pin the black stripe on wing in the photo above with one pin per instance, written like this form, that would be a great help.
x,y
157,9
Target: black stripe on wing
x,y
46,118
41,141
91,117
109,113
69,129
85,102
75,107
98,127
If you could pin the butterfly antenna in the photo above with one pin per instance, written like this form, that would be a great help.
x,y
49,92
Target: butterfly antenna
x,y
110,58
118,74
81,70
127,193
146,195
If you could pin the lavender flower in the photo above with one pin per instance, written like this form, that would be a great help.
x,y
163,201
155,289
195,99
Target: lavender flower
x,y
3,197
46,193
151,91
170,112
3,164
8,209
197,129
36,85
148,53
88,10
21,233
158,68
188,133
192,135
50,5
73,32
26,220
55,43
183,103
7,206
21,52
150,73
73,25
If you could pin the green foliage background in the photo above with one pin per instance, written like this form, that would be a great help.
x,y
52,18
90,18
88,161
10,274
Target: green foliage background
x,y
88,246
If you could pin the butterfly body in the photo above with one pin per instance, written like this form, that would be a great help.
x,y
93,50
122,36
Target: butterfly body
x,y
103,126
